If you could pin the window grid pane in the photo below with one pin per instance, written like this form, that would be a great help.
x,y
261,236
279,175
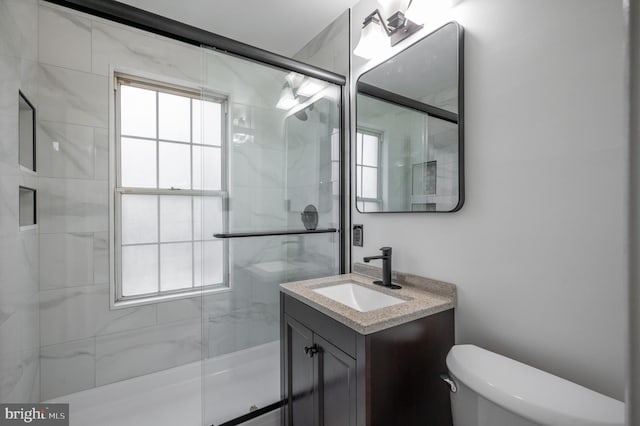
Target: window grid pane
x,y
138,219
174,117
370,150
209,131
367,168
208,256
175,218
369,182
137,112
176,266
138,168
167,142
138,163
139,270
139,283
204,176
174,165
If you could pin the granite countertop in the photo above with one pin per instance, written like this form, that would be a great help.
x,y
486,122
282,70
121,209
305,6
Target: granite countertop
x,y
423,297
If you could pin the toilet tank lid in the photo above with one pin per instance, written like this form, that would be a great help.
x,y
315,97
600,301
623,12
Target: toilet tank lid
x,y
531,393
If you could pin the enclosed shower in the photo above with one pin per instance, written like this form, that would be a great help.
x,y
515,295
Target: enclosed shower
x,y
174,187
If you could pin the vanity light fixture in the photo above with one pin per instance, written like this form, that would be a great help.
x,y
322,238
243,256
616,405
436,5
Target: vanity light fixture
x,y
373,34
374,29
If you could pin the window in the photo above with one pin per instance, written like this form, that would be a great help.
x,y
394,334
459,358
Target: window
x,y
368,197
170,188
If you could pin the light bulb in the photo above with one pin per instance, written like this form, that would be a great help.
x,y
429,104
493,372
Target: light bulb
x,y
372,38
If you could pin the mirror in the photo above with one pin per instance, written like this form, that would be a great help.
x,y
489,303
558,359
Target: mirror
x,y
409,128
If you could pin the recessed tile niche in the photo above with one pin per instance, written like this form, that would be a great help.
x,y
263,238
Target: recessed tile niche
x,y
27,160
27,134
27,207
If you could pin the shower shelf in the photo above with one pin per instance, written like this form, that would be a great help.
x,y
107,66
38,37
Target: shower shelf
x,y
274,233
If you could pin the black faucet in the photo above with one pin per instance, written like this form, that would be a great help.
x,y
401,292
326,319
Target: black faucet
x,y
386,268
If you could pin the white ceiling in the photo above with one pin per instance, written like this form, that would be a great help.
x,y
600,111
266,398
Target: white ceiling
x,y
280,26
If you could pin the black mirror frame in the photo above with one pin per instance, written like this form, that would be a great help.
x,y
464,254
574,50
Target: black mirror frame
x,y
427,109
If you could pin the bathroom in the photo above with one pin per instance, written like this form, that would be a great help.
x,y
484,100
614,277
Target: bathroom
x,y
538,251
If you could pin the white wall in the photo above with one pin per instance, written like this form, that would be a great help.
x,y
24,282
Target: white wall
x,y
538,250
330,48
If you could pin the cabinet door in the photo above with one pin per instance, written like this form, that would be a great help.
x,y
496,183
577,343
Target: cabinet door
x,y
336,385
299,380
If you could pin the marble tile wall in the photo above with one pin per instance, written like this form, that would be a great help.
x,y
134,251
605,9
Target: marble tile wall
x,y
19,315
264,172
19,342
121,356
329,49
241,318
57,334
251,310
83,343
311,156
259,265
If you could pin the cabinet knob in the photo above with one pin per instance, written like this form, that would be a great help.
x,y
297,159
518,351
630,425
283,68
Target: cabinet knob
x,y
311,350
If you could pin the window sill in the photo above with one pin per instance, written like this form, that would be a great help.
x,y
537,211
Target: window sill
x,y
152,300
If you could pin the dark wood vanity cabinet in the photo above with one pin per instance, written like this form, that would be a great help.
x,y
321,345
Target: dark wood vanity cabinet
x,y
321,379
334,376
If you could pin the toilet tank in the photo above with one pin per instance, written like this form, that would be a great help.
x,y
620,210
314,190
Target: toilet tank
x,y
494,390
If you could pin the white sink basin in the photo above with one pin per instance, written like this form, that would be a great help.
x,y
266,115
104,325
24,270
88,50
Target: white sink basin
x,y
355,296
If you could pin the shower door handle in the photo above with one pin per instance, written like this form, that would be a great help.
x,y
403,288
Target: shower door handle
x,y
274,233
311,350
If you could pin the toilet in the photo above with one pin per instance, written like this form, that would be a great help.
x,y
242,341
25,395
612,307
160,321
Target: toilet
x,y
488,389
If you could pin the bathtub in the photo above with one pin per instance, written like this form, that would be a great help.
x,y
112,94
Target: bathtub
x,y
179,396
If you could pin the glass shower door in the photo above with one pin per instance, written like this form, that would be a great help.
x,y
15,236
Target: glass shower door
x,y
279,158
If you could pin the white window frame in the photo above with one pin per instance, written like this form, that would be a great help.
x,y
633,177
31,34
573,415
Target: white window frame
x,y
117,300
380,136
